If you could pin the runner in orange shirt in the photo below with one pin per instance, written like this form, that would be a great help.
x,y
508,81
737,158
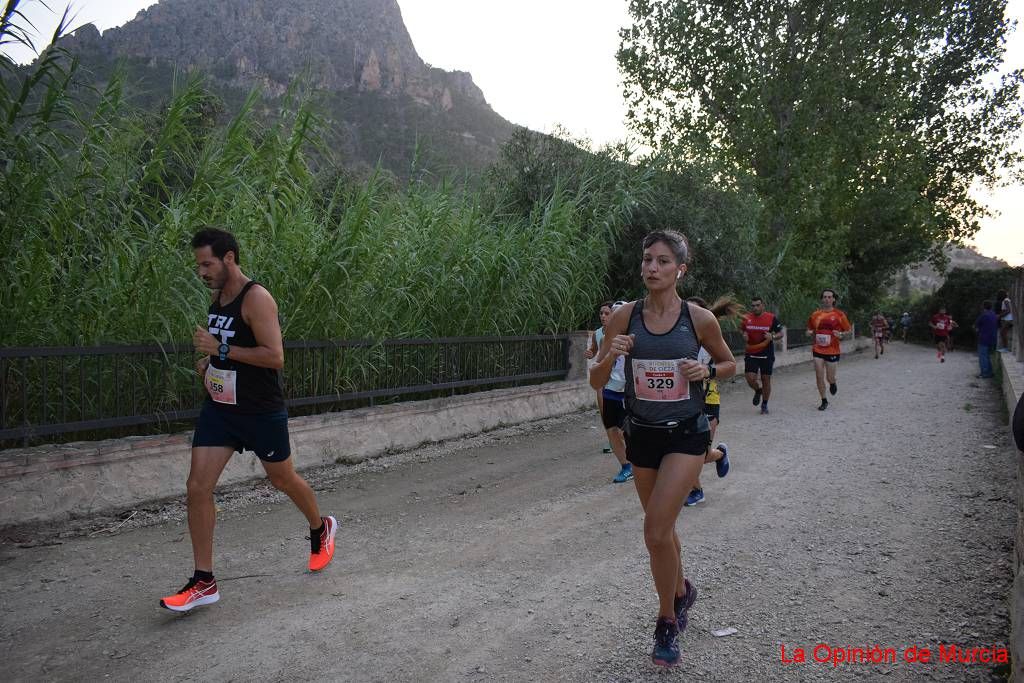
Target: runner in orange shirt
x,y
827,325
760,329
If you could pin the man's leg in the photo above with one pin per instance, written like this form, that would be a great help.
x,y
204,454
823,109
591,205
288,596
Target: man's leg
x,y
284,478
819,375
766,386
207,464
830,373
751,378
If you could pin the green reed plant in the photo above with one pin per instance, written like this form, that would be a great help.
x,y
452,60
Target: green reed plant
x,y
98,201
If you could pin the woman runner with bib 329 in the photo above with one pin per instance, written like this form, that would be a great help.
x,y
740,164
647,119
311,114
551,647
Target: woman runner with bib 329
x,y
667,432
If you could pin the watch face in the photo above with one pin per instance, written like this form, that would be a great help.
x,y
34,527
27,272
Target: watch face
x,y
223,348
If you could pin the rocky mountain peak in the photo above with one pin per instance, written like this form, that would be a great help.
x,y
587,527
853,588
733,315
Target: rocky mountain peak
x,y
343,44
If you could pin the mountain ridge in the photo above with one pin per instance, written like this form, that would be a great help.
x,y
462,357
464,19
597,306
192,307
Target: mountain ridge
x,y
358,52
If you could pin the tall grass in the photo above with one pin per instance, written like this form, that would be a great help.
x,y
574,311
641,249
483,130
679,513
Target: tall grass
x,y
99,199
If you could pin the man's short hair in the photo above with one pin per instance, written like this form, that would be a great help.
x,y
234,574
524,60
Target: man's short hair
x,y
220,242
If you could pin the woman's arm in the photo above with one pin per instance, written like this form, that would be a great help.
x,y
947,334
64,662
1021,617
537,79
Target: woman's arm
x,y
616,343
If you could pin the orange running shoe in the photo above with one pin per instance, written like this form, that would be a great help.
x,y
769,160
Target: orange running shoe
x,y
322,553
195,593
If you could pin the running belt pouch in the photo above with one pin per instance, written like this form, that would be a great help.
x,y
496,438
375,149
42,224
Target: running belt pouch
x,y
694,425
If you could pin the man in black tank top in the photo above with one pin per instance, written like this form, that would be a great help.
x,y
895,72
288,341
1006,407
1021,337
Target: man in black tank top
x,y
245,410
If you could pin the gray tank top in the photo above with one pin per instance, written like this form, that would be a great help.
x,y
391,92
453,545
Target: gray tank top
x,y
654,392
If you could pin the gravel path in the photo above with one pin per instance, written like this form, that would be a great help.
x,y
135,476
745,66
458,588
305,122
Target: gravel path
x,y
886,520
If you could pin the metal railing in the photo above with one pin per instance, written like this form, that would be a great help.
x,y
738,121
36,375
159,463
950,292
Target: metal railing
x,y
88,391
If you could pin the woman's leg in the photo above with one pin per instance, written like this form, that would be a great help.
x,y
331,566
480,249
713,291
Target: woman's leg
x,y
662,493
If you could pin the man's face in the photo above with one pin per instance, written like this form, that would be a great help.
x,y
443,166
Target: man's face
x,y
828,299
211,270
757,307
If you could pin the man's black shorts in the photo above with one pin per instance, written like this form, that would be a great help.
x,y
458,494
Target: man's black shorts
x,y
940,339
647,446
713,411
828,358
754,365
266,434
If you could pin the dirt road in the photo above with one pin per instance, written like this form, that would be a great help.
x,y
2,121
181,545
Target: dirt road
x,y
886,520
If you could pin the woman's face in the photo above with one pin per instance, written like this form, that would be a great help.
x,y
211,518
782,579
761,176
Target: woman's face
x,y
605,313
659,268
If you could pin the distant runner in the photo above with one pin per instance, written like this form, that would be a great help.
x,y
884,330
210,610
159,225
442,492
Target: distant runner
x,y
245,410
724,307
604,311
613,407
904,325
879,331
942,325
760,329
828,325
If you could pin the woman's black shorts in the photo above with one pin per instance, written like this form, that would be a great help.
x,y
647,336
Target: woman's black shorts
x,y
713,411
613,411
827,357
647,445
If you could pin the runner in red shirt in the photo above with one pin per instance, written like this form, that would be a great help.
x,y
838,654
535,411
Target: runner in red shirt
x,y
827,325
760,328
941,324
879,330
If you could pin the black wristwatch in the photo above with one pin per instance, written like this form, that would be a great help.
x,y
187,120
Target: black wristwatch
x,y
222,350
712,372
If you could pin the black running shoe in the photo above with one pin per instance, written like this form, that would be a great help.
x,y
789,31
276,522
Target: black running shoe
x,y
666,649
683,605
833,388
757,396
824,404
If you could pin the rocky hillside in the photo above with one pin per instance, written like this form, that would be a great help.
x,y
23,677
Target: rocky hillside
x,y
379,94
924,277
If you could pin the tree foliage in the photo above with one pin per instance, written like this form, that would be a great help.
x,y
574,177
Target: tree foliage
x,y
860,124
720,223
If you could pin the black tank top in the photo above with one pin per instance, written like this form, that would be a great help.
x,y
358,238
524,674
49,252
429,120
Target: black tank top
x,y
678,343
258,390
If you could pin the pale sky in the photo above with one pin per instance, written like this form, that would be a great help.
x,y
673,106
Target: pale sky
x,y
548,63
